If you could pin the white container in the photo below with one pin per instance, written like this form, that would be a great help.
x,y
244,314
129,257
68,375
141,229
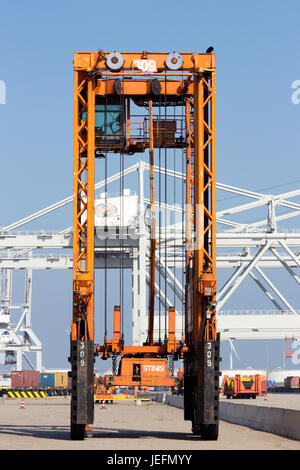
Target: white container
x,y
4,380
116,211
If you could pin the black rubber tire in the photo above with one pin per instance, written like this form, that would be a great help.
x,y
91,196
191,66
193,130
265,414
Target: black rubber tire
x,y
209,432
77,432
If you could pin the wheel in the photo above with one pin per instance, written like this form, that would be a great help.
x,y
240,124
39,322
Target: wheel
x,y
77,432
209,432
196,430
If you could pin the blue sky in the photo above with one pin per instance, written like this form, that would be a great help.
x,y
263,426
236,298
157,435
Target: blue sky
x,y
258,139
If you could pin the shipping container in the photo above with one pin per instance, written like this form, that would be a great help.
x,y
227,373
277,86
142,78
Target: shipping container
x,y
280,375
293,382
246,386
47,380
25,378
5,380
61,379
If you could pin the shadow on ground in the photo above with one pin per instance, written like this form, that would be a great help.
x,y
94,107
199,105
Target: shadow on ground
x,y
40,432
63,433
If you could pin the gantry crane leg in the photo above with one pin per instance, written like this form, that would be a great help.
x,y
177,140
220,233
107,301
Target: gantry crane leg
x,y
201,389
82,333
201,364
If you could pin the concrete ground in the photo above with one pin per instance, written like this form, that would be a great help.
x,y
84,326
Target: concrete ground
x,y
277,400
44,425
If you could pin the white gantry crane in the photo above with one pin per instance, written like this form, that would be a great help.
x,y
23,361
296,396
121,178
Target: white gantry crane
x,y
245,250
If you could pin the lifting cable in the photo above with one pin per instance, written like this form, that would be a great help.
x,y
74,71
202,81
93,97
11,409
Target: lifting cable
x,y
166,200
153,225
105,213
174,211
159,214
183,180
122,106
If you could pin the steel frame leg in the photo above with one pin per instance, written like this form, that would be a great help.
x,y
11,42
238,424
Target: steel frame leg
x,y
201,389
82,400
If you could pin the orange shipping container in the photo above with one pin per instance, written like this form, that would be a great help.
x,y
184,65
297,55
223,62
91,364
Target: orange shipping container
x,y
245,386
